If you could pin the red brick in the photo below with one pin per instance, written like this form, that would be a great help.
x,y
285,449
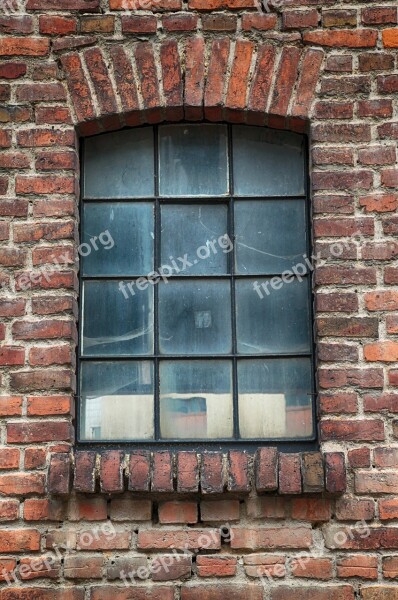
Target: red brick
x,y
97,24
78,86
12,356
111,471
269,539
216,566
377,15
232,592
156,539
110,592
139,24
9,458
84,480
35,458
222,511
339,18
12,70
83,567
344,592
390,567
162,476
237,87
54,25
316,510
94,539
171,567
219,22
365,38
357,565
19,46
212,475
363,430
180,22
10,406
335,472
299,19
127,509
172,512
388,509
390,38
352,509
19,540
194,78
38,431
213,95
9,511
187,472
238,471
359,458
312,568
258,21
285,79
289,474
139,471
376,482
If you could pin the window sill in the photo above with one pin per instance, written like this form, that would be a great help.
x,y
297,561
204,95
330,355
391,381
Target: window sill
x,y
184,472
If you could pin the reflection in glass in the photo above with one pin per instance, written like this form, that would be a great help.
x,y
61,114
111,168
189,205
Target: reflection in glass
x,y
270,236
277,322
120,164
196,399
193,160
199,231
115,324
195,317
127,246
267,162
275,398
117,400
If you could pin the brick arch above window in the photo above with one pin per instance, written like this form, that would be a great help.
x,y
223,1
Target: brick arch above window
x,y
126,85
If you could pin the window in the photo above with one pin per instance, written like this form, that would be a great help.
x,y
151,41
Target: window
x,y
195,290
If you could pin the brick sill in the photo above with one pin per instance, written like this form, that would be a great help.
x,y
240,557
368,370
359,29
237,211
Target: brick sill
x,y
183,472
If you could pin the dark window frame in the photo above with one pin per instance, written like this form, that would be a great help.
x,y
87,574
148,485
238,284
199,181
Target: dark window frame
x,y
284,444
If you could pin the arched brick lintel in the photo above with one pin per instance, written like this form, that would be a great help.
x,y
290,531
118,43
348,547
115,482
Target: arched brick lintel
x,y
216,80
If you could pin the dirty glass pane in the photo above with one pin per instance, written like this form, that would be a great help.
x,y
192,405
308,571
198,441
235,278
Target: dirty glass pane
x,y
195,317
270,236
196,399
115,322
120,164
117,400
124,238
198,233
267,162
275,398
271,320
193,160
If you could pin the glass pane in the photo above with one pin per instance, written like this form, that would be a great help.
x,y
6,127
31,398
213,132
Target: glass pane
x,y
193,160
117,400
197,234
115,322
275,398
272,320
196,399
195,317
124,238
120,165
270,236
267,162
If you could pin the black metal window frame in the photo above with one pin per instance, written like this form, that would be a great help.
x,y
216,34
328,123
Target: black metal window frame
x,y
283,444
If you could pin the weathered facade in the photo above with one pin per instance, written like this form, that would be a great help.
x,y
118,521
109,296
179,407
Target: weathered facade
x,y
95,525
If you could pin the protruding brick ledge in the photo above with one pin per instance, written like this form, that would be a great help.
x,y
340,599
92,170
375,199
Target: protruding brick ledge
x,y
238,471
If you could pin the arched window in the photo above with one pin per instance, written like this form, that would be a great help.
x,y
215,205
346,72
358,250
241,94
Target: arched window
x,y
196,303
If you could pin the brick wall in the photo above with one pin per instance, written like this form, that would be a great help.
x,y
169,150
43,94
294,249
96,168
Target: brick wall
x,y
263,526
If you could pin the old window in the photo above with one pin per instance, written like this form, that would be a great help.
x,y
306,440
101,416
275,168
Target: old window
x,y
195,286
